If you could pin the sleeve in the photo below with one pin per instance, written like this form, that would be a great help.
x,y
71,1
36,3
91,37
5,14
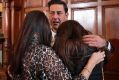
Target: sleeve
x,y
108,51
109,47
55,69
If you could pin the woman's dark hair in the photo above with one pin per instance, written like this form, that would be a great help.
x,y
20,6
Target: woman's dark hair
x,y
69,45
60,2
35,28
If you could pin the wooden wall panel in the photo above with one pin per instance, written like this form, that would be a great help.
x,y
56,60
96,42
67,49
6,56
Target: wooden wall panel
x,y
86,17
33,3
111,69
112,22
80,1
112,32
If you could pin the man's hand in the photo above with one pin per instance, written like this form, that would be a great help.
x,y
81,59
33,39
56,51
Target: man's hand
x,y
94,41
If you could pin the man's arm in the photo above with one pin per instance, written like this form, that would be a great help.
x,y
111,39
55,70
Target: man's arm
x,y
97,41
100,43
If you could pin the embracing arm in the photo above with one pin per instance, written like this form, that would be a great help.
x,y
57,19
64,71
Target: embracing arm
x,y
96,41
55,69
100,43
95,58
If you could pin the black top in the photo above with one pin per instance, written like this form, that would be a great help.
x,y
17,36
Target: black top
x,y
97,71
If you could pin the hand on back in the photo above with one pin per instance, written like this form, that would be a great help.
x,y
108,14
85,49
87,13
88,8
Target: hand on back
x,y
94,41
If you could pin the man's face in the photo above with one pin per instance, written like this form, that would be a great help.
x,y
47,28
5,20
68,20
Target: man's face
x,y
57,15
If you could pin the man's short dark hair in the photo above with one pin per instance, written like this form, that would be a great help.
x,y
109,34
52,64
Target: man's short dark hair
x,y
52,2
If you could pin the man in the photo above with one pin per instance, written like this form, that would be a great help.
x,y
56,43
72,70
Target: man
x,y
58,13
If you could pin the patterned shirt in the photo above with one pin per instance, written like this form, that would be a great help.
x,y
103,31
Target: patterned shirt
x,y
42,63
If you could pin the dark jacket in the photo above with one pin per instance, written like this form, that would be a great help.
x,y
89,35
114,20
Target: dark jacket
x,y
97,73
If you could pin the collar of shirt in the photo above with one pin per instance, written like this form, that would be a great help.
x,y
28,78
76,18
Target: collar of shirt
x,y
53,38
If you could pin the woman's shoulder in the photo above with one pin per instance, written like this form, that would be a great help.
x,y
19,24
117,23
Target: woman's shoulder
x,y
48,51
42,49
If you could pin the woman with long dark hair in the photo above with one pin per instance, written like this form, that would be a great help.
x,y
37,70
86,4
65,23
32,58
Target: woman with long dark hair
x,y
34,59
70,47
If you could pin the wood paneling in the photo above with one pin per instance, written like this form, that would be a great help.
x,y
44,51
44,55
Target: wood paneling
x,y
32,3
80,1
112,22
86,17
111,69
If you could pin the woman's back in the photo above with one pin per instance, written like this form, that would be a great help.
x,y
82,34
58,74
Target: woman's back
x,y
73,51
39,64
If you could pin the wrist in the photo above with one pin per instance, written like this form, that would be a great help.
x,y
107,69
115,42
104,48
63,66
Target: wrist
x,y
106,45
85,68
91,64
